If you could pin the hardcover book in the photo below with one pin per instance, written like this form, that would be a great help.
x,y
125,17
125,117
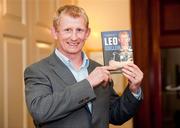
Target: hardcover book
x,y
117,49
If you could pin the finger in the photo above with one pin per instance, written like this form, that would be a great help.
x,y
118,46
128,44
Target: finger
x,y
129,72
106,81
109,68
106,73
129,77
130,67
136,72
110,78
135,67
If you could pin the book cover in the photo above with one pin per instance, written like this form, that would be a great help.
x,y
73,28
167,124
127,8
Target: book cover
x,y
117,49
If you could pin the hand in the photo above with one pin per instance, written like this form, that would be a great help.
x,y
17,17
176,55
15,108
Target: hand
x,y
116,64
100,75
134,75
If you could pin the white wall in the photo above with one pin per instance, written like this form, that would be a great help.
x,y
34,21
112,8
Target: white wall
x,y
105,15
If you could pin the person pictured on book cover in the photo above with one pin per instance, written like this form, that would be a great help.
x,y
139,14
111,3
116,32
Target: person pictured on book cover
x,y
125,53
68,90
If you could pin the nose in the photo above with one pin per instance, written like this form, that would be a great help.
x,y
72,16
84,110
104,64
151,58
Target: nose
x,y
74,35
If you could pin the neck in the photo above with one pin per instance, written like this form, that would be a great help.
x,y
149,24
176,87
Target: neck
x,y
125,47
75,58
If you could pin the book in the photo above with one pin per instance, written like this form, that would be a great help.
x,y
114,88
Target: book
x,y
117,49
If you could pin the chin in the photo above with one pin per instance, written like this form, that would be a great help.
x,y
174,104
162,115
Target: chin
x,y
74,52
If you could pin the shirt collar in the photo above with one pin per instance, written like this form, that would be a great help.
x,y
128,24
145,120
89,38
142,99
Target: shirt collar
x,y
61,56
67,61
85,60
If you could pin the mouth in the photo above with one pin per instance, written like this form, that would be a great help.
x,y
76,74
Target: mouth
x,y
73,44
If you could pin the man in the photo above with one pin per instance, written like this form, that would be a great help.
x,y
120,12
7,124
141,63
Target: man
x,y
68,90
125,53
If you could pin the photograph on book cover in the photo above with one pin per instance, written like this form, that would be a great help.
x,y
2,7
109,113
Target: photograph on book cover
x,y
117,48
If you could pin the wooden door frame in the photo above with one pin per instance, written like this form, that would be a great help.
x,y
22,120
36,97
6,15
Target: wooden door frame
x,y
145,32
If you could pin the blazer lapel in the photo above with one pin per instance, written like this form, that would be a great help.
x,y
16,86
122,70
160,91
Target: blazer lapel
x,y
97,91
91,67
61,69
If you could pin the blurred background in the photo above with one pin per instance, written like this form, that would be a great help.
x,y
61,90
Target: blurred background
x,y
25,38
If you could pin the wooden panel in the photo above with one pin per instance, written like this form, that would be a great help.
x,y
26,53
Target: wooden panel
x,y
169,23
43,49
64,2
128,124
1,77
142,55
44,12
13,19
170,17
14,9
14,63
170,41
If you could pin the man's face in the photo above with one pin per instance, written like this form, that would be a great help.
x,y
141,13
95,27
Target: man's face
x,y
71,35
124,40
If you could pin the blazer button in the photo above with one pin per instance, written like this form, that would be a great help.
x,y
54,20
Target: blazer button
x,y
81,101
86,99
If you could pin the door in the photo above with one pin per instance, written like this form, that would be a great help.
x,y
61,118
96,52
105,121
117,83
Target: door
x,y
156,29
24,38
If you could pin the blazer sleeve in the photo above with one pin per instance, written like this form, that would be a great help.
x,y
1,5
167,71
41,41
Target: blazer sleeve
x,y
45,104
122,108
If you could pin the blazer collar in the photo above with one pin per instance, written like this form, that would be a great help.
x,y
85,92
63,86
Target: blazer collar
x,y
61,69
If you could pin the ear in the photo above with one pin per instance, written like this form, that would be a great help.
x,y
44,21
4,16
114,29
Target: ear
x,y
88,32
54,33
129,39
119,40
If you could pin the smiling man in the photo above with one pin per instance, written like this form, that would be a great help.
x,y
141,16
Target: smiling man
x,y
68,90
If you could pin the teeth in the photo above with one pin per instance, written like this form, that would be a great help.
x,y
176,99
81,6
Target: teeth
x,y
73,44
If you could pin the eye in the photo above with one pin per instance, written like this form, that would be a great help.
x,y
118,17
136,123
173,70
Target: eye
x,y
67,30
80,30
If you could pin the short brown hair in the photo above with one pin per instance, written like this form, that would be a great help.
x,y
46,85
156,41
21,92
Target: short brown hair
x,y
71,10
123,33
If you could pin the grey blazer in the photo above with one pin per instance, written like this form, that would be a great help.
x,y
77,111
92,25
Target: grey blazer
x,y
56,100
